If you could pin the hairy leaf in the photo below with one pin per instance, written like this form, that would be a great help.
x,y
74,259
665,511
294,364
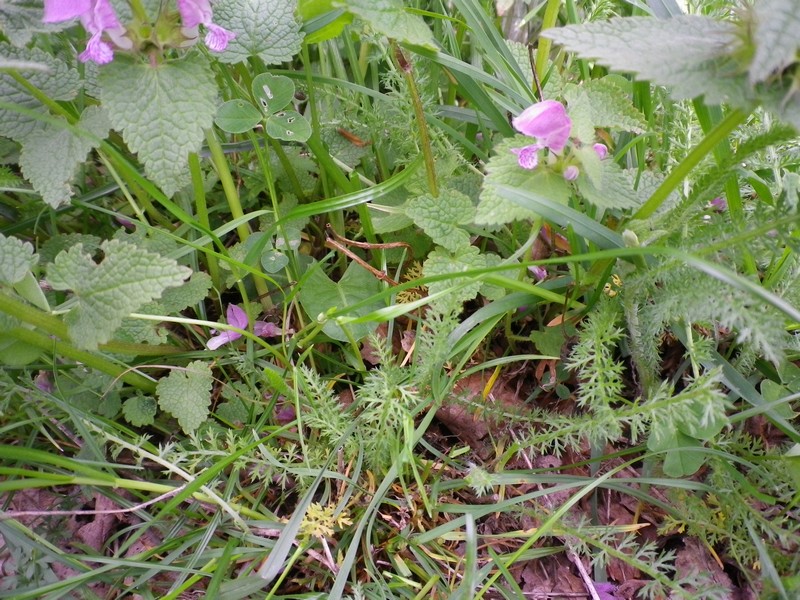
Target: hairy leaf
x,y
60,82
606,105
165,119
441,262
127,278
391,18
264,28
16,259
440,217
686,53
140,410
50,155
186,394
775,33
503,169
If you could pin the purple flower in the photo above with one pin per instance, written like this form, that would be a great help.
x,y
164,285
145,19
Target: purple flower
x,y
98,17
601,149
528,156
547,122
719,204
198,12
539,273
238,318
571,173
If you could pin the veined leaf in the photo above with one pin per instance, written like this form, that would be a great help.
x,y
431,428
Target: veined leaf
x,y
186,394
264,28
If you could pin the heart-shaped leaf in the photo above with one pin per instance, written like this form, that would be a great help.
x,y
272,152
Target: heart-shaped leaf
x,y
288,125
237,116
273,92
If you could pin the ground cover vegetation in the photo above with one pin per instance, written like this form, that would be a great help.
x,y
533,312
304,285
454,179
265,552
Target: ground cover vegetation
x,y
399,299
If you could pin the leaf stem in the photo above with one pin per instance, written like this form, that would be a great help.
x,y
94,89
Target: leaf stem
x,y
698,153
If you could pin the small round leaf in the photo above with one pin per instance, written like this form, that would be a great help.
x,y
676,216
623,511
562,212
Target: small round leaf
x,y
288,125
237,116
272,92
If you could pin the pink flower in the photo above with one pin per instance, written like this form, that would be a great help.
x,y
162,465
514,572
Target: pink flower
x,y
98,17
528,156
571,173
238,318
539,273
719,204
198,12
547,122
601,150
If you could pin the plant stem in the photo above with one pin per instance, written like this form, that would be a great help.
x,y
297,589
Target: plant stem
x,y
228,185
698,153
201,208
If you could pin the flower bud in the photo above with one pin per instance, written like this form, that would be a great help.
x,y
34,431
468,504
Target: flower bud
x,y
601,150
571,173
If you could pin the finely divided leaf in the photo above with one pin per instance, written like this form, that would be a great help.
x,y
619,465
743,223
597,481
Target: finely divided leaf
x,y
51,155
60,82
16,259
264,28
163,121
776,37
503,169
686,53
391,18
440,217
127,278
186,394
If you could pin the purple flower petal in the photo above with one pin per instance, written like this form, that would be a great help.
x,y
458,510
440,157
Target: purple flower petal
x,y
223,338
195,12
571,173
719,204
528,156
601,149
236,316
547,121
217,38
97,51
539,273
265,329
56,11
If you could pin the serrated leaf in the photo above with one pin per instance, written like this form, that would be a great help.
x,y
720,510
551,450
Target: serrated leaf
x,y
606,106
441,262
16,259
51,154
186,394
613,189
165,119
440,217
273,92
686,53
175,299
139,410
127,278
288,125
775,34
319,295
237,116
503,169
64,241
20,19
391,18
264,28
60,82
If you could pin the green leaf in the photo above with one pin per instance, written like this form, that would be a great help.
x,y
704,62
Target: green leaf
x,y
288,125
503,169
20,19
237,116
60,82
51,155
440,217
273,92
186,394
273,261
680,460
16,259
127,278
606,105
320,295
164,120
441,262
320,20
264,28
611,188
686,53
140,410
775,33
391,18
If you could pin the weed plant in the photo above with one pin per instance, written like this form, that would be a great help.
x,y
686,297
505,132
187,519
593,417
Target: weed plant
x,y
305,299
